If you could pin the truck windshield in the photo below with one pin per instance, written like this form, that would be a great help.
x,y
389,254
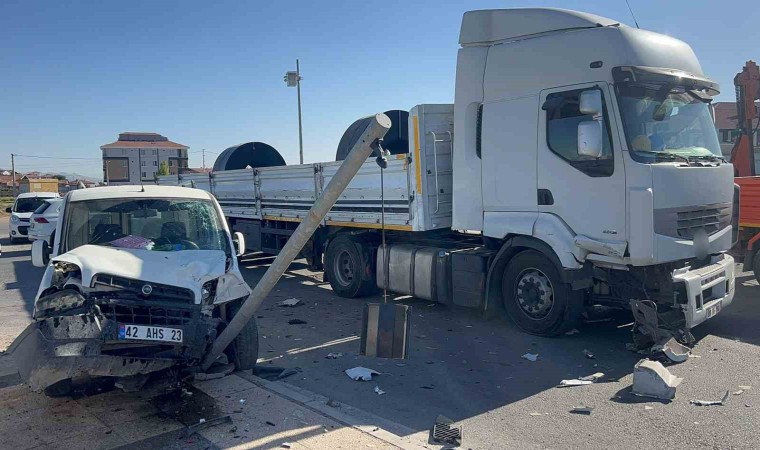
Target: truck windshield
x,y
150,224
663,122
27,205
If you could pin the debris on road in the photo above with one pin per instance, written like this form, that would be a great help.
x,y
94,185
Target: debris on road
x,y
333,355
290,303
588,354
648,408
530,356
593,377
739,392
672,350
288,372
203,424
286,445
215,371
569,383
361,373
535,414
272,373
745,388
297,322
572,332
651,379
379,391
443,433
585,410
720,402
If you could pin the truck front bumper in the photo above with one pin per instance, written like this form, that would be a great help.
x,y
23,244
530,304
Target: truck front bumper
x,y
707,289
62,347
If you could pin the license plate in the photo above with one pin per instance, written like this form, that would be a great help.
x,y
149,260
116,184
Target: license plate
x,y
148,333
713,310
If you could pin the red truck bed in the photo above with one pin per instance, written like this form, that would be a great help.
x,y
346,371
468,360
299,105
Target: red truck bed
x,y
749,201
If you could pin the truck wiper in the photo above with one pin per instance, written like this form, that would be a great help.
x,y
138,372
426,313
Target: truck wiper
x,y
663,156
708,158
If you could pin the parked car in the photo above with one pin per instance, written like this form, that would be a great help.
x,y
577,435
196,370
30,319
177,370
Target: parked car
x,y
21,211
44,220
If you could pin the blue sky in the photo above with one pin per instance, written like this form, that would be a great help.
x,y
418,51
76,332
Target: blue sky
x,y
208,74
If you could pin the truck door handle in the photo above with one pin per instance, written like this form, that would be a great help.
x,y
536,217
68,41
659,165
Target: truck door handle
x,y
545,197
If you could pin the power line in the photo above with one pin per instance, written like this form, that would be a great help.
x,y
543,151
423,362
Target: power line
x,y
57,157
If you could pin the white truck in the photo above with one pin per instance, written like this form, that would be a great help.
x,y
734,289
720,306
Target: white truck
x,y
579,165
138,279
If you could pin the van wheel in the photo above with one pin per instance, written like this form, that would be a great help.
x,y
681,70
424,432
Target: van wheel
x,y
536,298
348,266
244,349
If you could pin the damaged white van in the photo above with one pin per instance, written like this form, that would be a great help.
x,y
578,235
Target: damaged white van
x,y
139,279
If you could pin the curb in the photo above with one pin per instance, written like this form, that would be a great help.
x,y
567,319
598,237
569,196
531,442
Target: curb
x,y
388,431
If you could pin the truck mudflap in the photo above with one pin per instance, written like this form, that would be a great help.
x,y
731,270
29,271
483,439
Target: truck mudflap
x,y
63,347
707,290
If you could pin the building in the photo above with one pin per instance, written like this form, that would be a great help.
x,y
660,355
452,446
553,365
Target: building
x,y
26,185
136,157
727,126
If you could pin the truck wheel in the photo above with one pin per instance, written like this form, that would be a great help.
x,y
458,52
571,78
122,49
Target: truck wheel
x,y
348,266
756,266
244,350
536,298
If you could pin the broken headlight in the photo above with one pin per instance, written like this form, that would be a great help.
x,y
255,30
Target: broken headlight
x,y
208,291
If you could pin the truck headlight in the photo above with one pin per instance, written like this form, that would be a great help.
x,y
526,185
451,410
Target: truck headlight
x,y
208,291
14,219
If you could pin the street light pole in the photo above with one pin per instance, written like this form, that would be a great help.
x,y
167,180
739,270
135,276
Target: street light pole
x,y
293,79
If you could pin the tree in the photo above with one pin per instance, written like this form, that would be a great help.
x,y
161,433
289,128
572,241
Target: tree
x,y
163,168
60,177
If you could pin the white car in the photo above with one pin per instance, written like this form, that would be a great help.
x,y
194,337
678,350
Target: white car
x,y
21,211
44,220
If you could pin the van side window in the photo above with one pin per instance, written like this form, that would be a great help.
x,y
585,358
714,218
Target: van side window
x,y
562,118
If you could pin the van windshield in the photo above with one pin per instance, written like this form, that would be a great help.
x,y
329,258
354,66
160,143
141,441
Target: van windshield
x,y
666,121
150,224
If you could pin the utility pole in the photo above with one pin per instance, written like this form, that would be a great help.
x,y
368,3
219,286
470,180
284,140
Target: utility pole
x,y
13,173
204,158
293,79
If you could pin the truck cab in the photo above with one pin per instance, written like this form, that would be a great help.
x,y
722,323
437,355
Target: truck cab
x,y
592,144
139,279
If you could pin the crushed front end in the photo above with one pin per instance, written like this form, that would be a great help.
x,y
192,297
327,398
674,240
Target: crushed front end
x,y
117,328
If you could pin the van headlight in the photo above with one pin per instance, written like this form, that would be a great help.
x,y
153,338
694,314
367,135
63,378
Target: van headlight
x,y
208,291
14,219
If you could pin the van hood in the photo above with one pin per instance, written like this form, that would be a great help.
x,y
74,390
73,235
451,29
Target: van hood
x,y
187,268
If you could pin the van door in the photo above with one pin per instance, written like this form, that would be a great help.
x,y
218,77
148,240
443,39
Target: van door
x,y
587,193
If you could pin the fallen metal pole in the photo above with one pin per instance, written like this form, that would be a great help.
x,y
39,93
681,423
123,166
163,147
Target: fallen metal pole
x,y
346,172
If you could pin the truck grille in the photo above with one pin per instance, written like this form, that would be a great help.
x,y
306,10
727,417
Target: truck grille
x,y
146,315
162,292
684,222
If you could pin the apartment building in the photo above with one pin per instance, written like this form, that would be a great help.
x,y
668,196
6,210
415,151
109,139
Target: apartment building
x,y
135,158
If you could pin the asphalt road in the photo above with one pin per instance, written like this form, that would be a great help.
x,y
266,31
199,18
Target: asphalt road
x,y
470,369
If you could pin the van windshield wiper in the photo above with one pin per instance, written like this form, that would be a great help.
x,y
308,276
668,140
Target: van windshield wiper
x,y
708,158
664,156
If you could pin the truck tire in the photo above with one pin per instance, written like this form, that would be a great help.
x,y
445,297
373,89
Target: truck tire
x,y
756,266
348,266
536,298
244,349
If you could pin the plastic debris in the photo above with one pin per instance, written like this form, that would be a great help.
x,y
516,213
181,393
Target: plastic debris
x,y
334,355
535,414
201,420
286,445
648,408
379,391
204,424
588,354
530,356
361,373
444,433
651,379
242,401
739,392
289,303
673,350
593,377
569,383
572,332
720,402
585,410
745,388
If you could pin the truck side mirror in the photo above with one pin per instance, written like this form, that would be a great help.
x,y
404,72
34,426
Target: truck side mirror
x,y
239,241
40,253
591,102
590,138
